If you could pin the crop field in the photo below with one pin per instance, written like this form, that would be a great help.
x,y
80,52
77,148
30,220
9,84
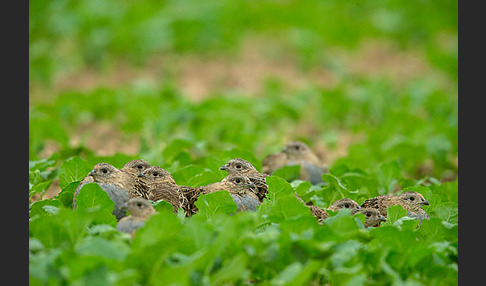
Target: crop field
x,y
370,86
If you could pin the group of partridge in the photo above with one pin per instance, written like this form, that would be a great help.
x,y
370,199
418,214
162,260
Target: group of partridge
x,y
137,184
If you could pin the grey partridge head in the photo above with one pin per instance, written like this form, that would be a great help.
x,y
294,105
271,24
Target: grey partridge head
x,y
140,208
344,204
373,217
156,174
134,167
237,184
238,165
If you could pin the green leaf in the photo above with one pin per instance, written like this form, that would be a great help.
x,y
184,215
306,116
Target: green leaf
x,y
232,270
39,187
287,208
435,229
97,246
393,214
195,176
73,169
448,211
388,174
447,192
175,147
219,202
334,183
67,193
301,187
42,164
419,189
278,187
288,274
161,206
64,228
45,207
92,199
288,173
91,196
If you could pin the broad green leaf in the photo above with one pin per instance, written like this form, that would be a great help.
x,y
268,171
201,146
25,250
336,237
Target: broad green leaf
x,y
278,187
287,208
233,270
342,225
195,176
92,199
42,164
71,170
394,213
67,193
288,173
419,189
39,188
334,183
448,211
448,192
162,205
97,246
64,228
435,230
288,274
175,147
45,207
42,267
388,174
219,202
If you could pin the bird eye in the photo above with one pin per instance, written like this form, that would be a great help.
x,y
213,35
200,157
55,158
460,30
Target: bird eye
x,y
139,167
155,174
346,205
368,214
238,166
297,148
238,181
104,171
412,198
139,204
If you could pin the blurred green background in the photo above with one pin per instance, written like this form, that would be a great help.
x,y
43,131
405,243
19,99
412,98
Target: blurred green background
x,y
179,82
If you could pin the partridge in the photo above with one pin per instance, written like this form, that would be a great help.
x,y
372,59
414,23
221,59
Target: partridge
x,y
119,185
241,189
243,167
411,201
135,167
140,210
296,153
321,214
373,217
161,186
344,204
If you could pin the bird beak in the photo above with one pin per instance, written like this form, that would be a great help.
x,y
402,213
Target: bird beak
x,y
382,218
425,203
251,185
92,173
124,206
141,175
224,168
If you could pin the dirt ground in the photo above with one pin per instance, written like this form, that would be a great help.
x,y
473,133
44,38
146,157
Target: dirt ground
x,y
199,77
